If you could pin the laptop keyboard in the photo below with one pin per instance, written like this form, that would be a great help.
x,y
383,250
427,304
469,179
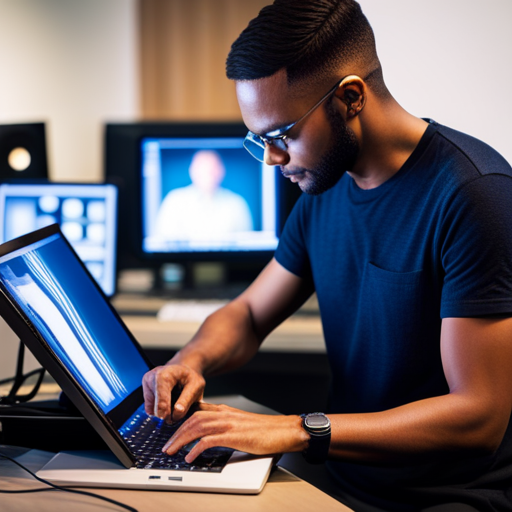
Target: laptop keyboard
x,y
146,436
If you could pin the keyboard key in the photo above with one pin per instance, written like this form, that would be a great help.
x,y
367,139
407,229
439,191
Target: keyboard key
x,y
149,438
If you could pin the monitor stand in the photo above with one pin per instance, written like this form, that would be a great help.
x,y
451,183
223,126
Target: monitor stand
x,y
186,281
190,275
195,281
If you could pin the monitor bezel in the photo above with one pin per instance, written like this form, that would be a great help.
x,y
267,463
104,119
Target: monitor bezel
x,y
105,424
123,160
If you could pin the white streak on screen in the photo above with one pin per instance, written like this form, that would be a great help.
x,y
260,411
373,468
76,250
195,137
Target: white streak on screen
x,y
39,301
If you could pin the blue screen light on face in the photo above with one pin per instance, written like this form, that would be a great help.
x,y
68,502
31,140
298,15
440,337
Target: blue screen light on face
x,y
63,304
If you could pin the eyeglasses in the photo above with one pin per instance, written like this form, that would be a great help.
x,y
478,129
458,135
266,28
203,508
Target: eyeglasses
x,y
256,144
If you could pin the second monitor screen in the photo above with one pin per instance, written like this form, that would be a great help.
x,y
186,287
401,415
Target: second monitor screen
x,y
206,194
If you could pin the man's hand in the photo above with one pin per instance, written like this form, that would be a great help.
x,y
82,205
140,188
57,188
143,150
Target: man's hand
x,y
159,383
220,425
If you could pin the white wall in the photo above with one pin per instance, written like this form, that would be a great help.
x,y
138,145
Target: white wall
x,y
450,60
71,63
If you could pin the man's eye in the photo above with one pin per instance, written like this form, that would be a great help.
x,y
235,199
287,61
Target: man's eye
x,y
285,140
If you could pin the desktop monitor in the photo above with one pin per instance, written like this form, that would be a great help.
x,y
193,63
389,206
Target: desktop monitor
x,y
191,192
86,213
206,195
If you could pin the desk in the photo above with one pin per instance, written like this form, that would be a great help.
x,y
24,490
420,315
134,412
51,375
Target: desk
x,y
283,492
301,333
297,334
290,372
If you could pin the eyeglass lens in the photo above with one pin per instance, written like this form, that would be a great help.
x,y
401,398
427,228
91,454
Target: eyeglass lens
x,y
255,149
256,146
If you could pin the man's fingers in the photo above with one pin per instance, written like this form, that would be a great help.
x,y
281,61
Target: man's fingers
x,y
203,444
191,393
170,391
164,383
206,406
149,396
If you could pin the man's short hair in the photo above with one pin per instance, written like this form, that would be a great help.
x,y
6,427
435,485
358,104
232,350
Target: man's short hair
x,y
311,39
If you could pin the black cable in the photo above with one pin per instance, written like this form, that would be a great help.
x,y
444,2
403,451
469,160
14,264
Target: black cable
x,y
13,410
26,491
19,379
58,487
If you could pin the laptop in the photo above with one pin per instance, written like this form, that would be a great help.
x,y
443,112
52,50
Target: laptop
x,y
52,302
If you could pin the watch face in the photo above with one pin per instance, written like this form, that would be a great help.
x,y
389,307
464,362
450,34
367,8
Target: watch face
x,y
317,421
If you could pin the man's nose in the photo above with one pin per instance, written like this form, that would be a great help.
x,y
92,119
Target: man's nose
x,y
275,156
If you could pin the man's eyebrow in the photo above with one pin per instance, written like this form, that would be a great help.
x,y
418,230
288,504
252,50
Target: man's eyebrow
x,y
275,127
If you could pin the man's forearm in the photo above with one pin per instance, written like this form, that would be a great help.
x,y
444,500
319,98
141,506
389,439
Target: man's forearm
x,y
226,340
418,431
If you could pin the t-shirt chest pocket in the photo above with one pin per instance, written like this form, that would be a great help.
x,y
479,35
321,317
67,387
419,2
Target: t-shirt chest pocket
x,y
394,302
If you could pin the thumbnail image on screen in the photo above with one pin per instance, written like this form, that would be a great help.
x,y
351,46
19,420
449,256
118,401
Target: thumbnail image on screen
x,y
86,213
206,194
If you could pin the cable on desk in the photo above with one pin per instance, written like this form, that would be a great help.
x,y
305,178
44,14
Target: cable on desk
x,y
58,487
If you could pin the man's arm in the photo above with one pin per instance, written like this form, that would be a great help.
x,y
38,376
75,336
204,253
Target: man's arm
x,y
227,339
471,418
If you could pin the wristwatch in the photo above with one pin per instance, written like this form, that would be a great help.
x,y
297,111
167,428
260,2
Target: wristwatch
x,y
318,426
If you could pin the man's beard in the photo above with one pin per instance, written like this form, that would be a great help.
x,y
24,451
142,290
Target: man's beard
x,y
340,157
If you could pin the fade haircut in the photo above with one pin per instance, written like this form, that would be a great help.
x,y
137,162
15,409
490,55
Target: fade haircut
x,y
311,39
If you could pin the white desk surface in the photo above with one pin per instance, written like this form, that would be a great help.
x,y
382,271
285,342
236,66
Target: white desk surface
x,y
300,333
297,334
284,492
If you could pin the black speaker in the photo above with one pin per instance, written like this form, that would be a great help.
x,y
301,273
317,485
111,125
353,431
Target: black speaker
x,y
23,151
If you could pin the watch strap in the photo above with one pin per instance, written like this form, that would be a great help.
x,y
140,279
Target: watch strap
x,y
319,440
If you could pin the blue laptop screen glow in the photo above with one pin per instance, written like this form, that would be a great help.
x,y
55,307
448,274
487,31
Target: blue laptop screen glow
x,y
62,302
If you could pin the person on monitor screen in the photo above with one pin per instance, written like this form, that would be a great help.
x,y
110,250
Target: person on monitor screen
x,y
203,209
405,234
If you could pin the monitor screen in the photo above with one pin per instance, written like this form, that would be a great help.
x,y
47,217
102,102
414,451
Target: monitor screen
x,y
86,213
60,300
151,161
206,195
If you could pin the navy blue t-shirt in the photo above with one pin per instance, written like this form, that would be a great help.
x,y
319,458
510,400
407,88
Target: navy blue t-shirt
x,y
434,241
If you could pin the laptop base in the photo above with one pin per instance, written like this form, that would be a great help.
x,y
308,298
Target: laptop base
x,y
100,468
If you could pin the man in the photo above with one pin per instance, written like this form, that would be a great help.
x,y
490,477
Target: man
x,y
410,254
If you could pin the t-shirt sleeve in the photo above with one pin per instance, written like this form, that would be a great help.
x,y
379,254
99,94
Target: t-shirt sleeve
x,y
292,251
476,249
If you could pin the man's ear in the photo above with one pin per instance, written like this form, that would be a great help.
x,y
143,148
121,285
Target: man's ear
x,y
352,92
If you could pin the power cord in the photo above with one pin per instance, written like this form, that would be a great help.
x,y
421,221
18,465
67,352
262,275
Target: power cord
x,y
20,379
58,487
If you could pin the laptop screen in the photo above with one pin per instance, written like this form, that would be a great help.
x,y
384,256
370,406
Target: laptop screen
x,y
61,301
86,213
